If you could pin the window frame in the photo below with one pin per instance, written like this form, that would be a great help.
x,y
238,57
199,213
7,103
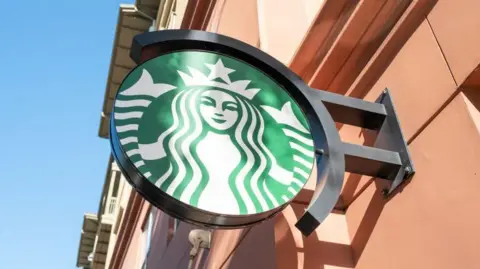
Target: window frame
x,y
147,230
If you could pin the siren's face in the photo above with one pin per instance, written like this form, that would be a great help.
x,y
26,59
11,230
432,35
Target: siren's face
x,y
218,109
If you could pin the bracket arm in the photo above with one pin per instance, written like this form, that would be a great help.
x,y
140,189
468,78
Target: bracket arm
x,y
353,111
371,161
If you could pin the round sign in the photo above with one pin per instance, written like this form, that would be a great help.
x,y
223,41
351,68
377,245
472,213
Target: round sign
x,y
214,133
213,136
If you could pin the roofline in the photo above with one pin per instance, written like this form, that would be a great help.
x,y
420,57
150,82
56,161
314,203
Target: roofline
x,y
110,67
85,215
124,8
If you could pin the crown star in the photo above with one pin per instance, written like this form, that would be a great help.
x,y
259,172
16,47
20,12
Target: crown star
x,y
219,70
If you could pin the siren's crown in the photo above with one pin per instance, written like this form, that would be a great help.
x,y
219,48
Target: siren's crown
x,y
218,70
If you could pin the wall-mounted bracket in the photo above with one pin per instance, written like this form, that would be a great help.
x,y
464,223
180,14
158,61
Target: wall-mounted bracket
x,y
389,158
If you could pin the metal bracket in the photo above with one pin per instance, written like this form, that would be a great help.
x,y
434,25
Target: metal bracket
x,y
389,158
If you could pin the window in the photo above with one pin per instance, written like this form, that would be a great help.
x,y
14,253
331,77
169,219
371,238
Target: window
x,y
147,229
118,220
116,183
173,16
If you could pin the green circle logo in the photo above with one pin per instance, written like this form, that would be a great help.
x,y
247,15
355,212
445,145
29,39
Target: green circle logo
x,y
214,133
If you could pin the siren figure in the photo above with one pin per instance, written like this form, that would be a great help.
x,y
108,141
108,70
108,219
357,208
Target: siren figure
x,y
218,160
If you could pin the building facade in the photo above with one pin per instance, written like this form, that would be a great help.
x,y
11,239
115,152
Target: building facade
x,y
424,51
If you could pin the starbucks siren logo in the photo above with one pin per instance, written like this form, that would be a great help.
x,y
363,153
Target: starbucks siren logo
x,y
194,128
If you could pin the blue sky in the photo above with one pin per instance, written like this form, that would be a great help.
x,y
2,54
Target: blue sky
x,y
54,63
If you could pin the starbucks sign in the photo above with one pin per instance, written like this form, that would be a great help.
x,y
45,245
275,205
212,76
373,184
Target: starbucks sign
x,y
213,132
218,133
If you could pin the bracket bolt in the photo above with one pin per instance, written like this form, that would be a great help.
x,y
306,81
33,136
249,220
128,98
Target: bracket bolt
x,y
385,193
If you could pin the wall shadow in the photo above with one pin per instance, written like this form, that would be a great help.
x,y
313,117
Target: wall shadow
x,y
223,246
473,95
371,216
368,222
256,249
396,43
315,253
260,247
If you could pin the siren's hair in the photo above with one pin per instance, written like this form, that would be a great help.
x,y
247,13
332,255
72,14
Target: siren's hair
x,y
186,173
248,139
187,176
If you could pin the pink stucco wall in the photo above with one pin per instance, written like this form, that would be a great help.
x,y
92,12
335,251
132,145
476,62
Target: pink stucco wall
x,y
136,248
433,222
